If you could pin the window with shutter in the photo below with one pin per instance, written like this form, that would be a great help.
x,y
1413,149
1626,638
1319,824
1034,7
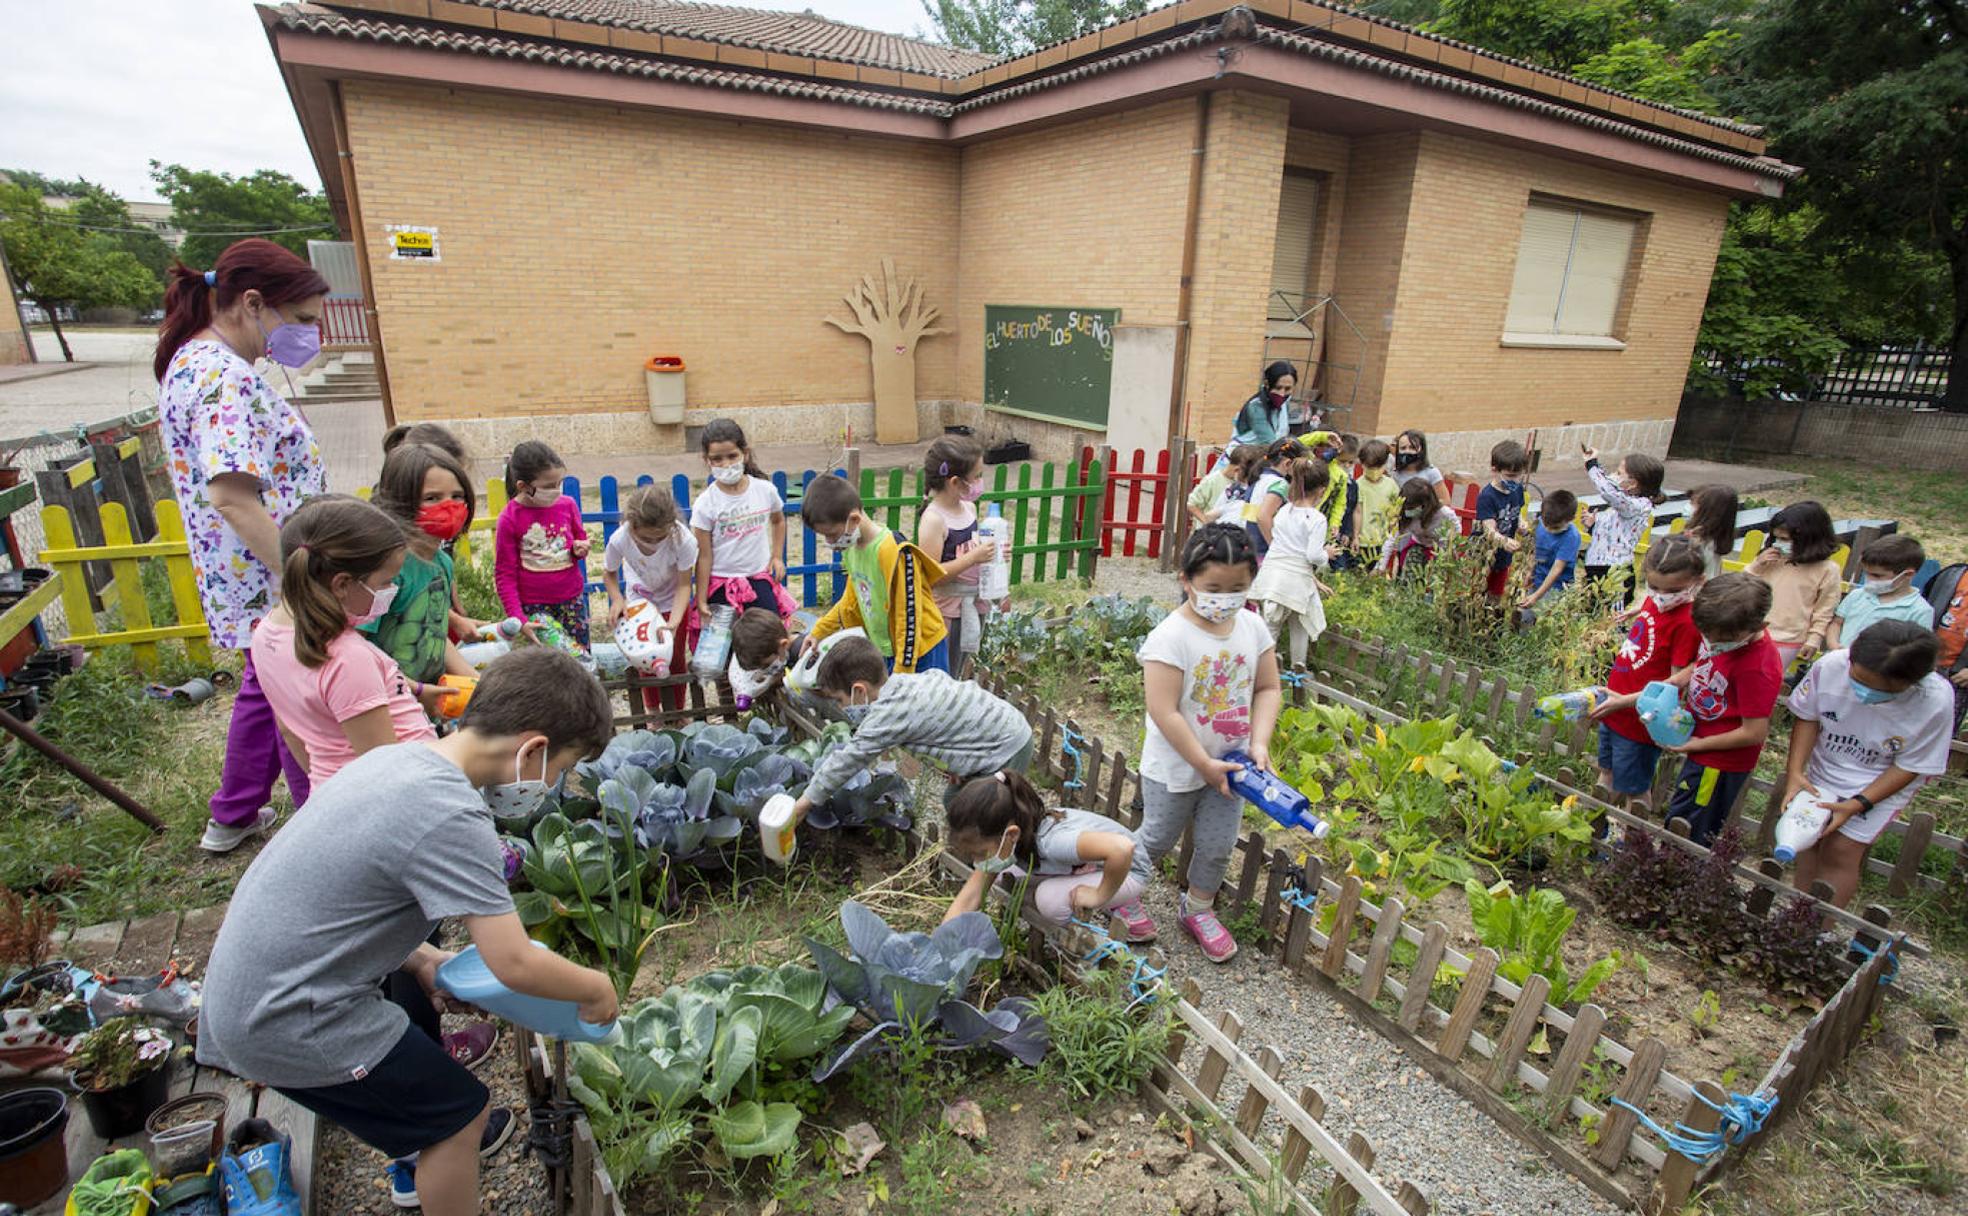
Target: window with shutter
x,y
1571,272
1291,255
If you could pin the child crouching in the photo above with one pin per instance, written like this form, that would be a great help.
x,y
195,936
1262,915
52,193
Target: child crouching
x,y
1081,863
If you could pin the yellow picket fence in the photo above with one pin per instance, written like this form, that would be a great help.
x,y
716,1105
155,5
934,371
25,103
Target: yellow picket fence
x,y
125,590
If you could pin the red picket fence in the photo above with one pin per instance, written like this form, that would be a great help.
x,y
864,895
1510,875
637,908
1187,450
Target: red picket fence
x,y
1136,504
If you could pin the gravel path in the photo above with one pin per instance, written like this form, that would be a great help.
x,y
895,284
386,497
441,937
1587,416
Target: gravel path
x,y
1423,1132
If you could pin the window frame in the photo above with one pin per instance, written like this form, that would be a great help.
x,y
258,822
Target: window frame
x,y
1636,248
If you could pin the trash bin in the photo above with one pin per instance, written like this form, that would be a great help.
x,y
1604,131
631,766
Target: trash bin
x,y
665,376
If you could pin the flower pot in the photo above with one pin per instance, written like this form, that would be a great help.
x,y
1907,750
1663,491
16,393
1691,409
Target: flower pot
x,y
187,1134
9,477
115,1113
33,1158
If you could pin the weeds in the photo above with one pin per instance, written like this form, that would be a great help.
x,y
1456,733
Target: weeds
x,y
1103,1043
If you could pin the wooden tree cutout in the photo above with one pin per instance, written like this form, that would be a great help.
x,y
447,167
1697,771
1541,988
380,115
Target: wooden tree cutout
x,y
893,318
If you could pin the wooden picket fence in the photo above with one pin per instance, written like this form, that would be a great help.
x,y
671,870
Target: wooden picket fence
x,y
1356,964
1419,682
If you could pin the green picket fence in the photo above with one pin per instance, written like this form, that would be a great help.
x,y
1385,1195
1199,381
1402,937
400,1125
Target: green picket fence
x,y
1055,524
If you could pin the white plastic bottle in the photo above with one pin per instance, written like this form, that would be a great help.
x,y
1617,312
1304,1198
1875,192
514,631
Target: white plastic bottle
x,y
994,582
500,631
777,828
1803,821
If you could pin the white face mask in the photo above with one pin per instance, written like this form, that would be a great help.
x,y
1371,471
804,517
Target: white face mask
x,y
379,602
1000,860
544,496
728,474
1668,601
1217,607
518,798
1883,586
1780,547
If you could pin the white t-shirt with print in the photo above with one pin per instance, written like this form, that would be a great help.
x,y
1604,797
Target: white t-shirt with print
x,y
740,527
1059,843
1857,742
652,576
1219,677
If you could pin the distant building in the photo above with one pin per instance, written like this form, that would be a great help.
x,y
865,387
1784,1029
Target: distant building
x,y
544,193
155,216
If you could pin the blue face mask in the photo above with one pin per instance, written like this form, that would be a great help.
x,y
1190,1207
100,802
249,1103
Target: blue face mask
x,y
1869,695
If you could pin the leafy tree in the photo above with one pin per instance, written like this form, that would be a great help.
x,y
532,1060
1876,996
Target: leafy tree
x,y
1868,95
1550,33
96,208
216,209
1645,68
1013,27
44,185
56,264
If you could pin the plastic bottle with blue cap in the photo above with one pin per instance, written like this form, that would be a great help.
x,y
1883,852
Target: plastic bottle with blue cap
x,y
466,976
1803,821
1269,793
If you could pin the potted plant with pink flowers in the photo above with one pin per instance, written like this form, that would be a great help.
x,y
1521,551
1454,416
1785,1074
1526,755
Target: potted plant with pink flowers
x,y
123,1069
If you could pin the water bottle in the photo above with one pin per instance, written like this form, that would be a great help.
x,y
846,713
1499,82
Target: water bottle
x,y
777,828
551,634
1803,821
714,644
1570,706
1268,793
481,654
994,582
500,631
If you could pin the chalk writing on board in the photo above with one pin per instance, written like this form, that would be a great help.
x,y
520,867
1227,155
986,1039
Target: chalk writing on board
x,y
1046,329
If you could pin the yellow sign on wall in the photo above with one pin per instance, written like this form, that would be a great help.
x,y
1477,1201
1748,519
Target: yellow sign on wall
x,y
411,242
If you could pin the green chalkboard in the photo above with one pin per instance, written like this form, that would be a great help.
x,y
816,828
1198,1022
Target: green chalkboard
x,y
1050,363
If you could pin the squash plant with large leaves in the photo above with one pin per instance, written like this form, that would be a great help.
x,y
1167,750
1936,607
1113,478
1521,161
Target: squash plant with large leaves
x,y
702,1062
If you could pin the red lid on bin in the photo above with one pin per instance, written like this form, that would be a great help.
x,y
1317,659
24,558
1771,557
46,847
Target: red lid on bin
x,y
664,363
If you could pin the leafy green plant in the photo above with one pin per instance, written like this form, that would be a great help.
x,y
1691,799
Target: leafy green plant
x,y
904,980
1705,1013
1103,1041
1528,933
1507,814
703,1059
589,878
117,1053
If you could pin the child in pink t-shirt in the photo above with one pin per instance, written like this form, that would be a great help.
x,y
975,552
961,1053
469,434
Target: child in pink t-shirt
x,y
539,542
336,695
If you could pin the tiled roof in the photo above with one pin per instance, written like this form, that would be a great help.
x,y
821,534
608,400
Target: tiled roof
x,y
316,21
805,33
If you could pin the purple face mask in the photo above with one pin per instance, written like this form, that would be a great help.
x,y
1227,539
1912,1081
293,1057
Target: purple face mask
x,y
291,344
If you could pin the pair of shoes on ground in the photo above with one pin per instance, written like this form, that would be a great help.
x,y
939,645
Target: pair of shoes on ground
x,y
254,1171
225,837
1202,925
403,1171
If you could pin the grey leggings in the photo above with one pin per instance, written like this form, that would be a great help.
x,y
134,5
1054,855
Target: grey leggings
x,y
1165,814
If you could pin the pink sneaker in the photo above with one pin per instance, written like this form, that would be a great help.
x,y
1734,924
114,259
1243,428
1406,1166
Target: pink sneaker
x,y
1218,946
1140,925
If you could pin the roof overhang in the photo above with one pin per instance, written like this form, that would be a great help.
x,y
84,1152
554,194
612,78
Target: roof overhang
x,y
1329,87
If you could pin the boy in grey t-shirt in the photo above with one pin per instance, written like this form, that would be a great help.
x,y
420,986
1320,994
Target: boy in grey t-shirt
x,y
344,897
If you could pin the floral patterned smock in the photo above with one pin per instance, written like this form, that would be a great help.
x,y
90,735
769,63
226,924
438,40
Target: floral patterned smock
x,y
220,416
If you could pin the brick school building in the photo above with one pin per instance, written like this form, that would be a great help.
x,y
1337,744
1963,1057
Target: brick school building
x,y
541,194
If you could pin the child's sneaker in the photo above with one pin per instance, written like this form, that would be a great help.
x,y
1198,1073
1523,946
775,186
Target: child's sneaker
x,y
190,1195
1140,926
403,1184
498,1129
1217,944
254,1167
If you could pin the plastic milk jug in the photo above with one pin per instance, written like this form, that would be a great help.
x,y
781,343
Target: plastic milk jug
x,y
1803,821
1667,721
802,677
994,583
714,644
645,638
1570,706
748,686
466,977
776,828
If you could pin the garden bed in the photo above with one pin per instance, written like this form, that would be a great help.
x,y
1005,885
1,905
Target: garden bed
x,y
1491,1029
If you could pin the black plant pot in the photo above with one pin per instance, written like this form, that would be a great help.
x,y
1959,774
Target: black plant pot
x,y
119,1112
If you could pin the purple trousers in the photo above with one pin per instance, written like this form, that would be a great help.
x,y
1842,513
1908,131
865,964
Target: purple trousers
x,y
255,756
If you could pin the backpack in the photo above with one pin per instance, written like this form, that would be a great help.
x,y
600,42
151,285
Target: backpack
x,y
1940,591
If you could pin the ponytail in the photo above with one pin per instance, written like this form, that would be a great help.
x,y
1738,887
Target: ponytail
x,y
193,297
1308,478
986,806
330,535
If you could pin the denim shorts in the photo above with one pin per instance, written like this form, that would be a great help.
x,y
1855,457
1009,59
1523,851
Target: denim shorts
x,y
1631,764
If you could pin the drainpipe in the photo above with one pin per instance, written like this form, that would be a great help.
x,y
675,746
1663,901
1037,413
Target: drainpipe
x,y
346,160
1178,397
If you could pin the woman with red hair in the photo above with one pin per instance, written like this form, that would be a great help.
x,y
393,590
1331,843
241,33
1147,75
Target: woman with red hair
x,y
242,460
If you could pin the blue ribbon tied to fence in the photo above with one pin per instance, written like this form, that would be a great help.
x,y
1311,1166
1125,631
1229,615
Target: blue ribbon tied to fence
x,y
1144,981
1743,1115
1866,952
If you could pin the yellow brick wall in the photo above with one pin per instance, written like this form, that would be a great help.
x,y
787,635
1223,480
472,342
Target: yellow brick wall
x,y
578,240
1238,226
1367,274
13,338
1445,367
1086,214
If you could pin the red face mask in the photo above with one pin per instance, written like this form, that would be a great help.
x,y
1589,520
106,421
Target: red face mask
x,y
444,520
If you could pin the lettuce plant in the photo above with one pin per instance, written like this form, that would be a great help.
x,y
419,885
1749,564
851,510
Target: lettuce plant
x,y
915,982
705,1058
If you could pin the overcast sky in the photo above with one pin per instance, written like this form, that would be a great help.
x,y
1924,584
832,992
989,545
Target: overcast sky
x,y
100,88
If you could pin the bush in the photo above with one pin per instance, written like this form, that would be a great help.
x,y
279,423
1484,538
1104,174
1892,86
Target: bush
x,y
1102,1042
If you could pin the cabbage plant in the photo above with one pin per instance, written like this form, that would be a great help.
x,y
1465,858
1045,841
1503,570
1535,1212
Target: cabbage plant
x,y
703,1058
653,752
913,982
676,821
